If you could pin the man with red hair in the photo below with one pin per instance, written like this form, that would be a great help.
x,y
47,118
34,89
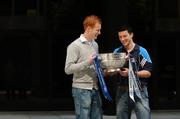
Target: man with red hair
x,y
79,62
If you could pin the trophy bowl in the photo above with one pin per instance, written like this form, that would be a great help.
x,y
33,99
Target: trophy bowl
x,y
112,60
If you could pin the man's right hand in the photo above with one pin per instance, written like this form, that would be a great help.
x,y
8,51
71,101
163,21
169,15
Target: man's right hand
x,y
124,72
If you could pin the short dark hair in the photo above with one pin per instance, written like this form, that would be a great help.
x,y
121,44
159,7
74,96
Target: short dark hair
x,y
124,28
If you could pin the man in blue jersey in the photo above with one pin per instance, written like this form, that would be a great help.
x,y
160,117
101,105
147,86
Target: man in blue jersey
x,y
132,91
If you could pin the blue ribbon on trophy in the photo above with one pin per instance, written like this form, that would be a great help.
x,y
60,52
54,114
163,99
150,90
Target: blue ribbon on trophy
x,y
101,79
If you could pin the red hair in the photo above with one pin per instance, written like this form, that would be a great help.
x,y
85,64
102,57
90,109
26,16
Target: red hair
x,y
90,21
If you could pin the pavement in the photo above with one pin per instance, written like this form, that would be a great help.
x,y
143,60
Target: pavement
x,y
156,114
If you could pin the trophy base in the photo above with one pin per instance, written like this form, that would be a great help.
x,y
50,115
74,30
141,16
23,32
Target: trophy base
x,y
113,70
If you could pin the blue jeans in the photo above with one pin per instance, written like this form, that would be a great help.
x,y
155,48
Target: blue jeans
x,y
124,105
88,104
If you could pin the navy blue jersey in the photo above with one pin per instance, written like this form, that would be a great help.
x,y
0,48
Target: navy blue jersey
x,y
139,58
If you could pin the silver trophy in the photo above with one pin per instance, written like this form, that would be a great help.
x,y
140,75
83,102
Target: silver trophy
x,y
112,61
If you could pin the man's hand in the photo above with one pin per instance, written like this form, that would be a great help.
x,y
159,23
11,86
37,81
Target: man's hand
x,y
124,72
91,58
